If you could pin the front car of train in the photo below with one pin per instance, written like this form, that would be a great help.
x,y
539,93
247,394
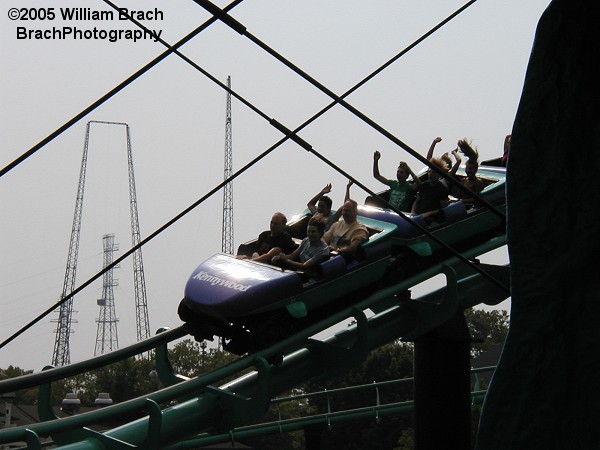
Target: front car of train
x,y
241,300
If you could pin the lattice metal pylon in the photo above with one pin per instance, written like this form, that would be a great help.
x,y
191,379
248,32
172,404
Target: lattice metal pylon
x,y
61,354
227,231
141,304
107,338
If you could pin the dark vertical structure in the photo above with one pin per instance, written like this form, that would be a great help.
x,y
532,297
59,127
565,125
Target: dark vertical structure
x,y
545,392
442,373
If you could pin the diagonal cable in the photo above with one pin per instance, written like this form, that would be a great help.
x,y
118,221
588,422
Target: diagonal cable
x,y
288,135
242,30
112,92
139,245
336,99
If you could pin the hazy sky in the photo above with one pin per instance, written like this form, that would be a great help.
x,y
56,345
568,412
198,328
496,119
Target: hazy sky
x,y
464,81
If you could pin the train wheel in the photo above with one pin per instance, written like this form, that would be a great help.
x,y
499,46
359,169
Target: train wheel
x,y
271,330
185,313
201,328
403,266
237,346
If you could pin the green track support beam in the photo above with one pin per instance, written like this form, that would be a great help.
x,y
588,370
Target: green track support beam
x,y
154,426
337,359
201,406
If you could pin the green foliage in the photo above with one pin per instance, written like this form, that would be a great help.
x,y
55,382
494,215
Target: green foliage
x,y
389,362
123,380
132,378
188,358
127,379
489,326
406,440
24,396
12,372
135,377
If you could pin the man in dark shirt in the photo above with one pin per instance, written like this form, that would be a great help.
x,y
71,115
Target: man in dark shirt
x,y
432,195
274,241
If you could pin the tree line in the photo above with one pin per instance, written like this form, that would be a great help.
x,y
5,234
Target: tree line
x,y
131,378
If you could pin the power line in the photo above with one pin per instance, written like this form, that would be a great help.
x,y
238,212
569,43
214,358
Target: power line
x,y
170,49
288,134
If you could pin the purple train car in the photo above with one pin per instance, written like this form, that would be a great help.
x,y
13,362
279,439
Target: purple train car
x,y
252,305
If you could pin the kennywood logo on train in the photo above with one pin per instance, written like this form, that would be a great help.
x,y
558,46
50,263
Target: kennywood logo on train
x,y
213,280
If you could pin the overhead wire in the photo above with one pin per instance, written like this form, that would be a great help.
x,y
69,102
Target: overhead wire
x,y
112,92
143,242
337,99
242,30
288,134
170,49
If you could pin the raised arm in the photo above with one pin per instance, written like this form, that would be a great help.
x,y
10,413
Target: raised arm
x,y
376,174
457,163
348,186
312,203
432,147
338,212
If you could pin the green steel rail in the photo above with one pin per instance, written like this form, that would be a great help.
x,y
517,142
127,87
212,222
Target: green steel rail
x,y
377,411
58,373
201,407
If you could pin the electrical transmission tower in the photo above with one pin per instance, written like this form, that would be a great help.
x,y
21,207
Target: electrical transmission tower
x,y
227,231
61,355
141,304
107,338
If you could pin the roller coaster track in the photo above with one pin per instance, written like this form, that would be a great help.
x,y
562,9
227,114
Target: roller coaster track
x,y
196,406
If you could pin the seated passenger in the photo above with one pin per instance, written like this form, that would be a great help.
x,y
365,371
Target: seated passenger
x,y
432,195
345,236
320,205
402,191
273,241
445,158
312,250
471,182
467,149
